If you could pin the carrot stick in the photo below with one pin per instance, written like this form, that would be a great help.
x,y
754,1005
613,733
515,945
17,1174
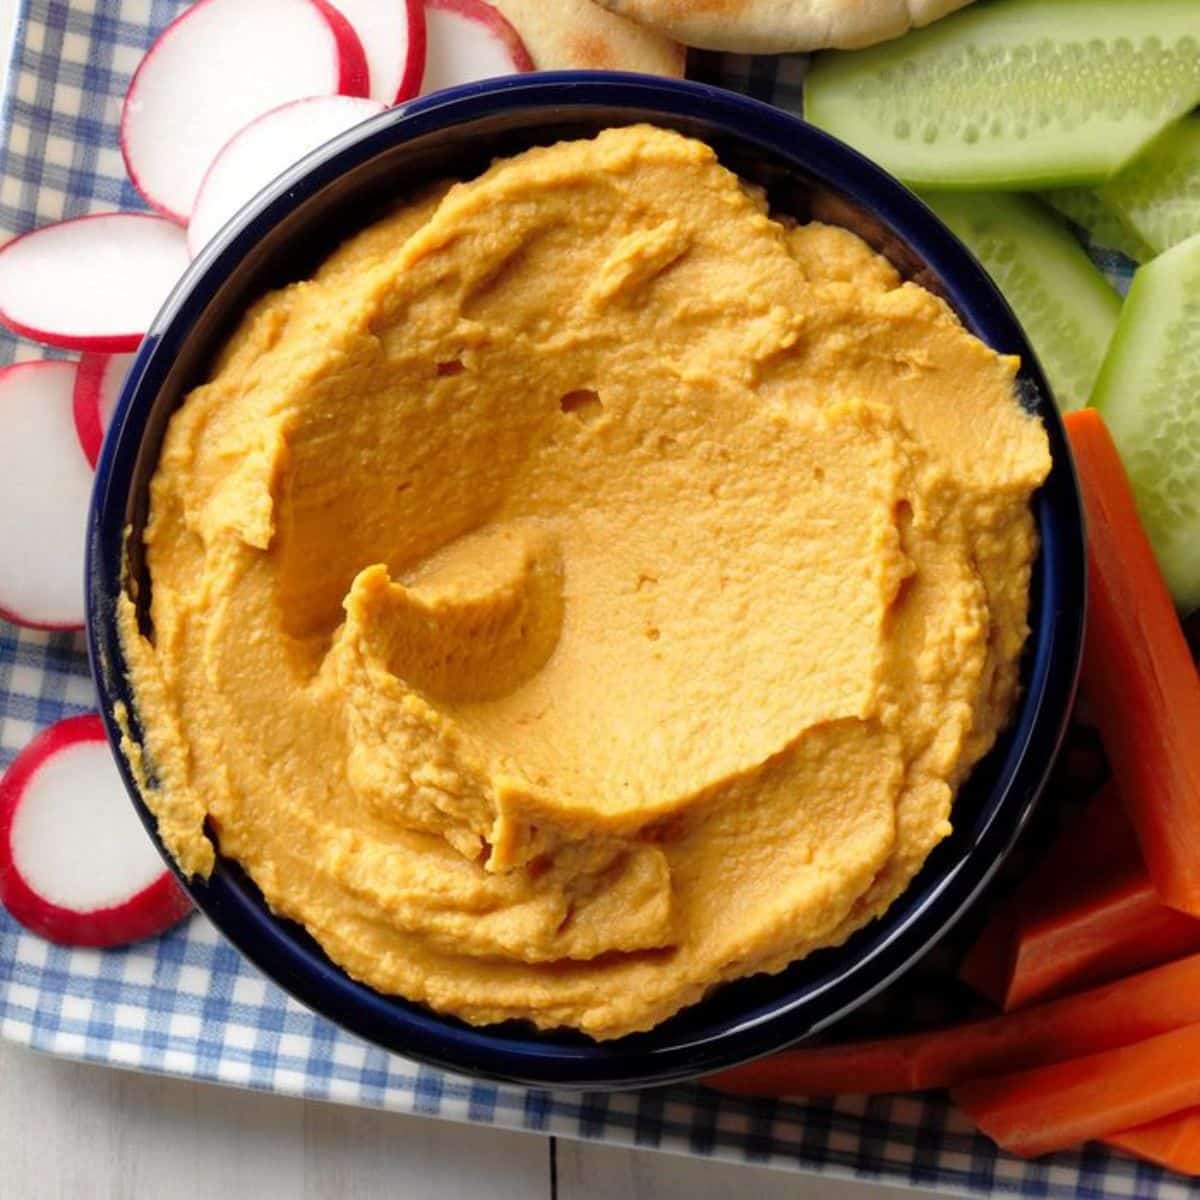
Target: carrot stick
x,y
1172,1142
1116,926
987,967
1055,1107
1095,839
1138,672
1086,914
1117,1014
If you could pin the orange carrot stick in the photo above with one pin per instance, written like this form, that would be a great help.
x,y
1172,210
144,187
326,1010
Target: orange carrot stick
x,y
1115,926
1056,1107
1095,839
987,967
1117,1014
1172,1142
1138,671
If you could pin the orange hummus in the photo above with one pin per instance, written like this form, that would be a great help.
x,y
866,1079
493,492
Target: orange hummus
x,y
585,590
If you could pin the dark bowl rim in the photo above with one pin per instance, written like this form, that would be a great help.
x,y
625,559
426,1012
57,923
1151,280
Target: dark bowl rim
x,y
930,905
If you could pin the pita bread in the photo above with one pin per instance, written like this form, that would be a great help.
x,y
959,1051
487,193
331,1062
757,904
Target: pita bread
x,y
581,34
778,26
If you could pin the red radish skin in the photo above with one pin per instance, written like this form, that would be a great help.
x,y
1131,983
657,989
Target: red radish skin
x,y
468,40
214,69
41,525
90,283
98,382
354,74
78,750
265,149
392,33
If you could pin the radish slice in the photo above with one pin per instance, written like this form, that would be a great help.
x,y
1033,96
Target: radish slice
x,y
98,384
45,484
76,865
92,283
217,67
466,40
392,33
263,150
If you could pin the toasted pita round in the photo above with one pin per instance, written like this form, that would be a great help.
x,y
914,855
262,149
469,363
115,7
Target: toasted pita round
x,y
779,26
561,34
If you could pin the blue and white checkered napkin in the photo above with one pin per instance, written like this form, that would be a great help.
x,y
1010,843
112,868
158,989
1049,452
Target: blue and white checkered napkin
x,y
187,1003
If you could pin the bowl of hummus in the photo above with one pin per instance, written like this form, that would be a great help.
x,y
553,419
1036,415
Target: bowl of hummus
x,y
586,580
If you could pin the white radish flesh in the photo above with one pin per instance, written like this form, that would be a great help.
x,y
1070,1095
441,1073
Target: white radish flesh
x,y
45,484
76,838
98,383
263,150
91,283
215,69
467,40
392,33
76,864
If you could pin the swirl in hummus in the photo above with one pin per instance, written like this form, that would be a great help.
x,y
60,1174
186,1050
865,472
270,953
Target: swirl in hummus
x,y
585,590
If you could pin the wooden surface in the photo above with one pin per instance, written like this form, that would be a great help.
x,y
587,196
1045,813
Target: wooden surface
x,y
75,1132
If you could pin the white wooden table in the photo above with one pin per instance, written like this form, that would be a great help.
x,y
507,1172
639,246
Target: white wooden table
x,y
75,1132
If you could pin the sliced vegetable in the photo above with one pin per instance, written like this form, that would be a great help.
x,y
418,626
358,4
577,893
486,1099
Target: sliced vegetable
x,y
1063,873
264,149
1067,307
98,383
1060,1106
216,67
76,866
1138,672
1172,1142
1091,212
91,283
987,966
468,40
392,33
1149,393
1158,194
1117,1014
1106,930
1019,94
45,484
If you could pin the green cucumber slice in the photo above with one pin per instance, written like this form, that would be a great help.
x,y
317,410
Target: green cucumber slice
x,y
1066,306
1158,194
1011,94
1149,392
1089,210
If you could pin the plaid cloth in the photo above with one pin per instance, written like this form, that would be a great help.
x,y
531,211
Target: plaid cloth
x,y
188,1004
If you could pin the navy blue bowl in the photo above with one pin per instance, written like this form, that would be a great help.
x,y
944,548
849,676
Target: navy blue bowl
x,y
284,233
